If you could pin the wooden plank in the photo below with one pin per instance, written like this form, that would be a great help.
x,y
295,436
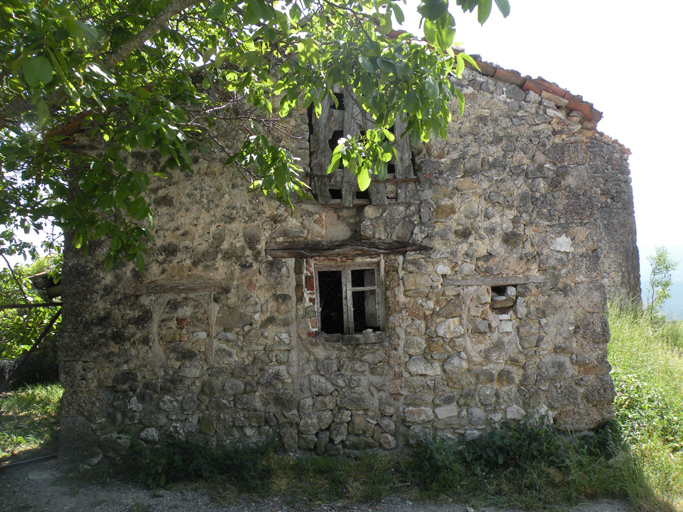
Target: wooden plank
x,y
312,249
321,152
494,281
176,288
405,190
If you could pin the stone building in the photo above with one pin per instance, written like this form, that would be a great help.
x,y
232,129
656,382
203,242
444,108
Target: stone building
x,y
465,290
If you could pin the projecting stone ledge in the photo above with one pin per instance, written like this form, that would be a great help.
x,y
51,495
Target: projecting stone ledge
x,y
311,249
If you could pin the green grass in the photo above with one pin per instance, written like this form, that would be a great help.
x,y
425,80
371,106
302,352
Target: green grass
x,y
29,420
647,362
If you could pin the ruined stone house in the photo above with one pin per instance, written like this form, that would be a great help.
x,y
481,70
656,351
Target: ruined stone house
x,y
465,290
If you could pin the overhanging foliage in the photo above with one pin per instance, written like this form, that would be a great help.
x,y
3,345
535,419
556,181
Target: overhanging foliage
x,y
158,75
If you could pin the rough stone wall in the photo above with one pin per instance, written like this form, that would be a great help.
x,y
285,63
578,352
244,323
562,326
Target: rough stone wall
x,y
500,318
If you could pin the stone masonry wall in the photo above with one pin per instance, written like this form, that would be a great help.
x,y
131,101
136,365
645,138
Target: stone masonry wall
x,y
499,318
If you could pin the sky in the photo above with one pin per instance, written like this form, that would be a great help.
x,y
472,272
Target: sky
x,y
620,55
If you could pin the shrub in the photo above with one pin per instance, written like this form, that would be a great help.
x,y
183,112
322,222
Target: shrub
x,y
246,467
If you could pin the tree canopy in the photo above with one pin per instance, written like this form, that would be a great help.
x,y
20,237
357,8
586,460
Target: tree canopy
x,y
158,74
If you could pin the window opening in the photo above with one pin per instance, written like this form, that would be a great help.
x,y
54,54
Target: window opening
x,y
334,139
335,193
503,297
349,300
363,194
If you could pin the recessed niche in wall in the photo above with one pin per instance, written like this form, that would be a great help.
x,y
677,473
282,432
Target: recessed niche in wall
x,y
503,297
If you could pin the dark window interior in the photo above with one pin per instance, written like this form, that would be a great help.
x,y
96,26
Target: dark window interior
x,y
363,194
334,140
335,193
331,301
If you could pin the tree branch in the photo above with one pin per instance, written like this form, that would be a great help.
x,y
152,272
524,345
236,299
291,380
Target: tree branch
x,y
154,26
16,279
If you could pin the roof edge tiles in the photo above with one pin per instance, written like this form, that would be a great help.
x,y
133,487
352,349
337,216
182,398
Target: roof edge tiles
x,y
575,106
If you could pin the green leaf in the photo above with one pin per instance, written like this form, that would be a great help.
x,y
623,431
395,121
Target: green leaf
x,y
431,32
43,112
483,11
398,13
334,163
503,7
144,139
386,65
308,52
470,60
262,9
432,88
364,179
461,101
365,62
412,103
388,135
37,70
445,32
460,66
295,12
217,10
433,9
139,262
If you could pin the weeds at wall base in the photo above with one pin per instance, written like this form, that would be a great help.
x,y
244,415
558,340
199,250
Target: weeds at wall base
x,y
528,467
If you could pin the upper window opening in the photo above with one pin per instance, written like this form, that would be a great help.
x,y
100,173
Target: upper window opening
x,y
349,300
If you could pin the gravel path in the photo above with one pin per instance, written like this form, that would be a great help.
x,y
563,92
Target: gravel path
x,y
33,488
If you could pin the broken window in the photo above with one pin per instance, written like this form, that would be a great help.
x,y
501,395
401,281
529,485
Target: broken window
x,y
342,116
349,299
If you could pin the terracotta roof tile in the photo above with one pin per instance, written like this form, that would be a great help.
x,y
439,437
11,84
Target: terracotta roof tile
x,y
512,77
486,68
532,85
559,101
553,88
581,111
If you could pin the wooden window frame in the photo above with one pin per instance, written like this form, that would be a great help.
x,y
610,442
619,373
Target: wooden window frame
x,y
348,289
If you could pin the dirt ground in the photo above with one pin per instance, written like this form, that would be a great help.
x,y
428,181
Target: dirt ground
x,y
43,487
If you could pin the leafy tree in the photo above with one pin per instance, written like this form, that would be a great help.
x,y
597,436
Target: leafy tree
x,y
157,75
20,328
659,290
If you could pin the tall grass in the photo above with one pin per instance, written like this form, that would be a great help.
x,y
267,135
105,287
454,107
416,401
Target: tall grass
x,y
29,419
647,366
